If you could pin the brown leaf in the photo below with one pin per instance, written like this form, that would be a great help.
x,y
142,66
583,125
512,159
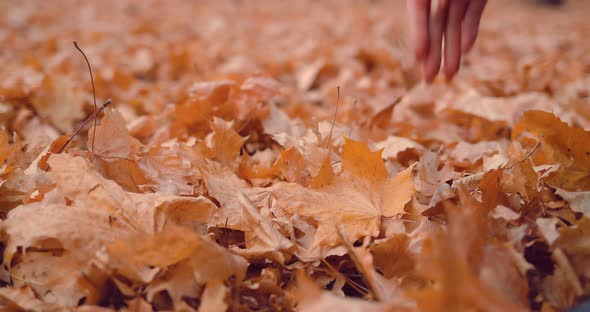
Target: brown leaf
x,y
112,137
356,200
213,298
579,201
224,185
358,161
262,239
428,176
225,143
392,257
57,100
562,144
311,298
133,255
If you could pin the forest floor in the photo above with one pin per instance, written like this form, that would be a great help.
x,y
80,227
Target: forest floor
x,y
286,155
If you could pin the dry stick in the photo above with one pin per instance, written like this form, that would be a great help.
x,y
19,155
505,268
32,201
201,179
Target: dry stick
x,y
361,289
93,92
330,135
372,287
105,105
334,119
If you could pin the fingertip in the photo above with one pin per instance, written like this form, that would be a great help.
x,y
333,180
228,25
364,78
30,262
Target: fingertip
x,y
421,50
468,39
419,13
470,27
452,66
430,71
450,73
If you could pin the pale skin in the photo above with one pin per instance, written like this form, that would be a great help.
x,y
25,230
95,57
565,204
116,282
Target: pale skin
x,y
432,22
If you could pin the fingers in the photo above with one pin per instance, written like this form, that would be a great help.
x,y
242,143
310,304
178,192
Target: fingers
x,y
455,21
453,36
418,13
470,25
435,32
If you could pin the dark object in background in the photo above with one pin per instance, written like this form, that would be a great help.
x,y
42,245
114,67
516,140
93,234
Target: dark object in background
x,y
551,2
584,307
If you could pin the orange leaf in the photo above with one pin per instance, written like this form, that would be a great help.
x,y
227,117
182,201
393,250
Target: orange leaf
x,y
561,144
325,175
360,162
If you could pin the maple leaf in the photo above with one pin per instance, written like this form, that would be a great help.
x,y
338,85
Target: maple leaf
x,y
291,166
58,101
116,151
325,175
170,167
428,175
356,200
561,144
112,137
224,144
205,100
60,279
191,260
262,239
86,224
391,256
360,162
139,253
505,110
75,227
455,267
468,200
225,186
381,288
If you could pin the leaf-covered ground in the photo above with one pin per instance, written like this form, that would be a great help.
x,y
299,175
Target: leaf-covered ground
x,y
224,176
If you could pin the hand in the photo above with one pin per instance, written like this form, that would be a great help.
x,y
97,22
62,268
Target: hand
x,y
455,20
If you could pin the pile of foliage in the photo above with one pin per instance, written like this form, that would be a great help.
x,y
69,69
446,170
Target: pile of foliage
x,y
284,156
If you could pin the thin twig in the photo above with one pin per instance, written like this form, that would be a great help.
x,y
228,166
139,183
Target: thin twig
x,y
353,256
361,289
531,152
93,92
334,119
105,105
527,155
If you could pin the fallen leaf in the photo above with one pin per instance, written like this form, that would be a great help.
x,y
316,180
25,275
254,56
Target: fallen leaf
x,y
58,101
560,144
579,201
262,239
213,298
356,200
